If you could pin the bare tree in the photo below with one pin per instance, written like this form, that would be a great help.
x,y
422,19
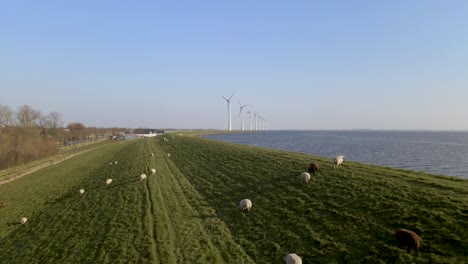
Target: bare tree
x,y
50,123
6,121
55,120
6,117
28,117
27,135
77,130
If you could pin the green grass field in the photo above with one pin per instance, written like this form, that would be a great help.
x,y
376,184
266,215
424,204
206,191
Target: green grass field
x,y
64,153
188,212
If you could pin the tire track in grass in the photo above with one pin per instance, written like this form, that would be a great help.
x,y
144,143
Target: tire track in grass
x,y
150,209
210,224
201,236
191,244
163,234
164,230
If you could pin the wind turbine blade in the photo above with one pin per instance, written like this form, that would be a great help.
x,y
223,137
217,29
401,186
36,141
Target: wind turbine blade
x,y
232,95
225,98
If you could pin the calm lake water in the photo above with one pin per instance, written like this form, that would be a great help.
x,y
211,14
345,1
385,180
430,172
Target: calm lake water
x,y
433,152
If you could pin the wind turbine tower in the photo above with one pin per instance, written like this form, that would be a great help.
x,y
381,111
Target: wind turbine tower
x,y
242,116
229,110
250,120
255,118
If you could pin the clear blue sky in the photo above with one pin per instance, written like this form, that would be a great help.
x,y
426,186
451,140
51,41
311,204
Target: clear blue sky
x,y
301,64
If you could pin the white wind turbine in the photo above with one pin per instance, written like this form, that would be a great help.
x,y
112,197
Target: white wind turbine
x,y
242,116
250,120
229,110
255,118
259,122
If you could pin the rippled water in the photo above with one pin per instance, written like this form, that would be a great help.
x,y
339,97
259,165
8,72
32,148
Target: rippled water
x,y
433,152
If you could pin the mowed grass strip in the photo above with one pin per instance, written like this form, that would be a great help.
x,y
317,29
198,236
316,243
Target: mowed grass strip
x,y
187,229
345,215
29,195
104,225
162,219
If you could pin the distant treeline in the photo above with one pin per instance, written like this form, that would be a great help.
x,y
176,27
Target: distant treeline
x,y
26,134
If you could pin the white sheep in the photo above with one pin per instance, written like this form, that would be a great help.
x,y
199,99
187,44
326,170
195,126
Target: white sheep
x,y
110,163
245,204
142,177
305,177
81,191
293,259
108,181
23,220
153,171
115,162
169,155
152,154
338,160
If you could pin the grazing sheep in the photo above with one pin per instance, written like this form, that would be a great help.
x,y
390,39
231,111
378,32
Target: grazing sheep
x,y
313,167
115,162
245,204
409,239
169,155
110,163
108,181
153,171
152,154
305,177
142,177
81,191
23,220
2,204
293,259
338,160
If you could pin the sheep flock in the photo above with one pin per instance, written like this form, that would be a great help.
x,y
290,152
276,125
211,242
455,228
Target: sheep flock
x,y
406,238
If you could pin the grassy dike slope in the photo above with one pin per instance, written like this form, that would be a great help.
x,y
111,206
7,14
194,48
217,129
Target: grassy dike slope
x,y
188,212
347,215
159,220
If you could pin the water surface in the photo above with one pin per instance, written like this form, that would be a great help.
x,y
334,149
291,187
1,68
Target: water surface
x,y
433,152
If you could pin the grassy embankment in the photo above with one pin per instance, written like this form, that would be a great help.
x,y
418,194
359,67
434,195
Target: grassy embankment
x,y
188,212
64,153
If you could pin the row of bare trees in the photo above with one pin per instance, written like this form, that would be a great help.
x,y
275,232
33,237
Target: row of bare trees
x,y
26,134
